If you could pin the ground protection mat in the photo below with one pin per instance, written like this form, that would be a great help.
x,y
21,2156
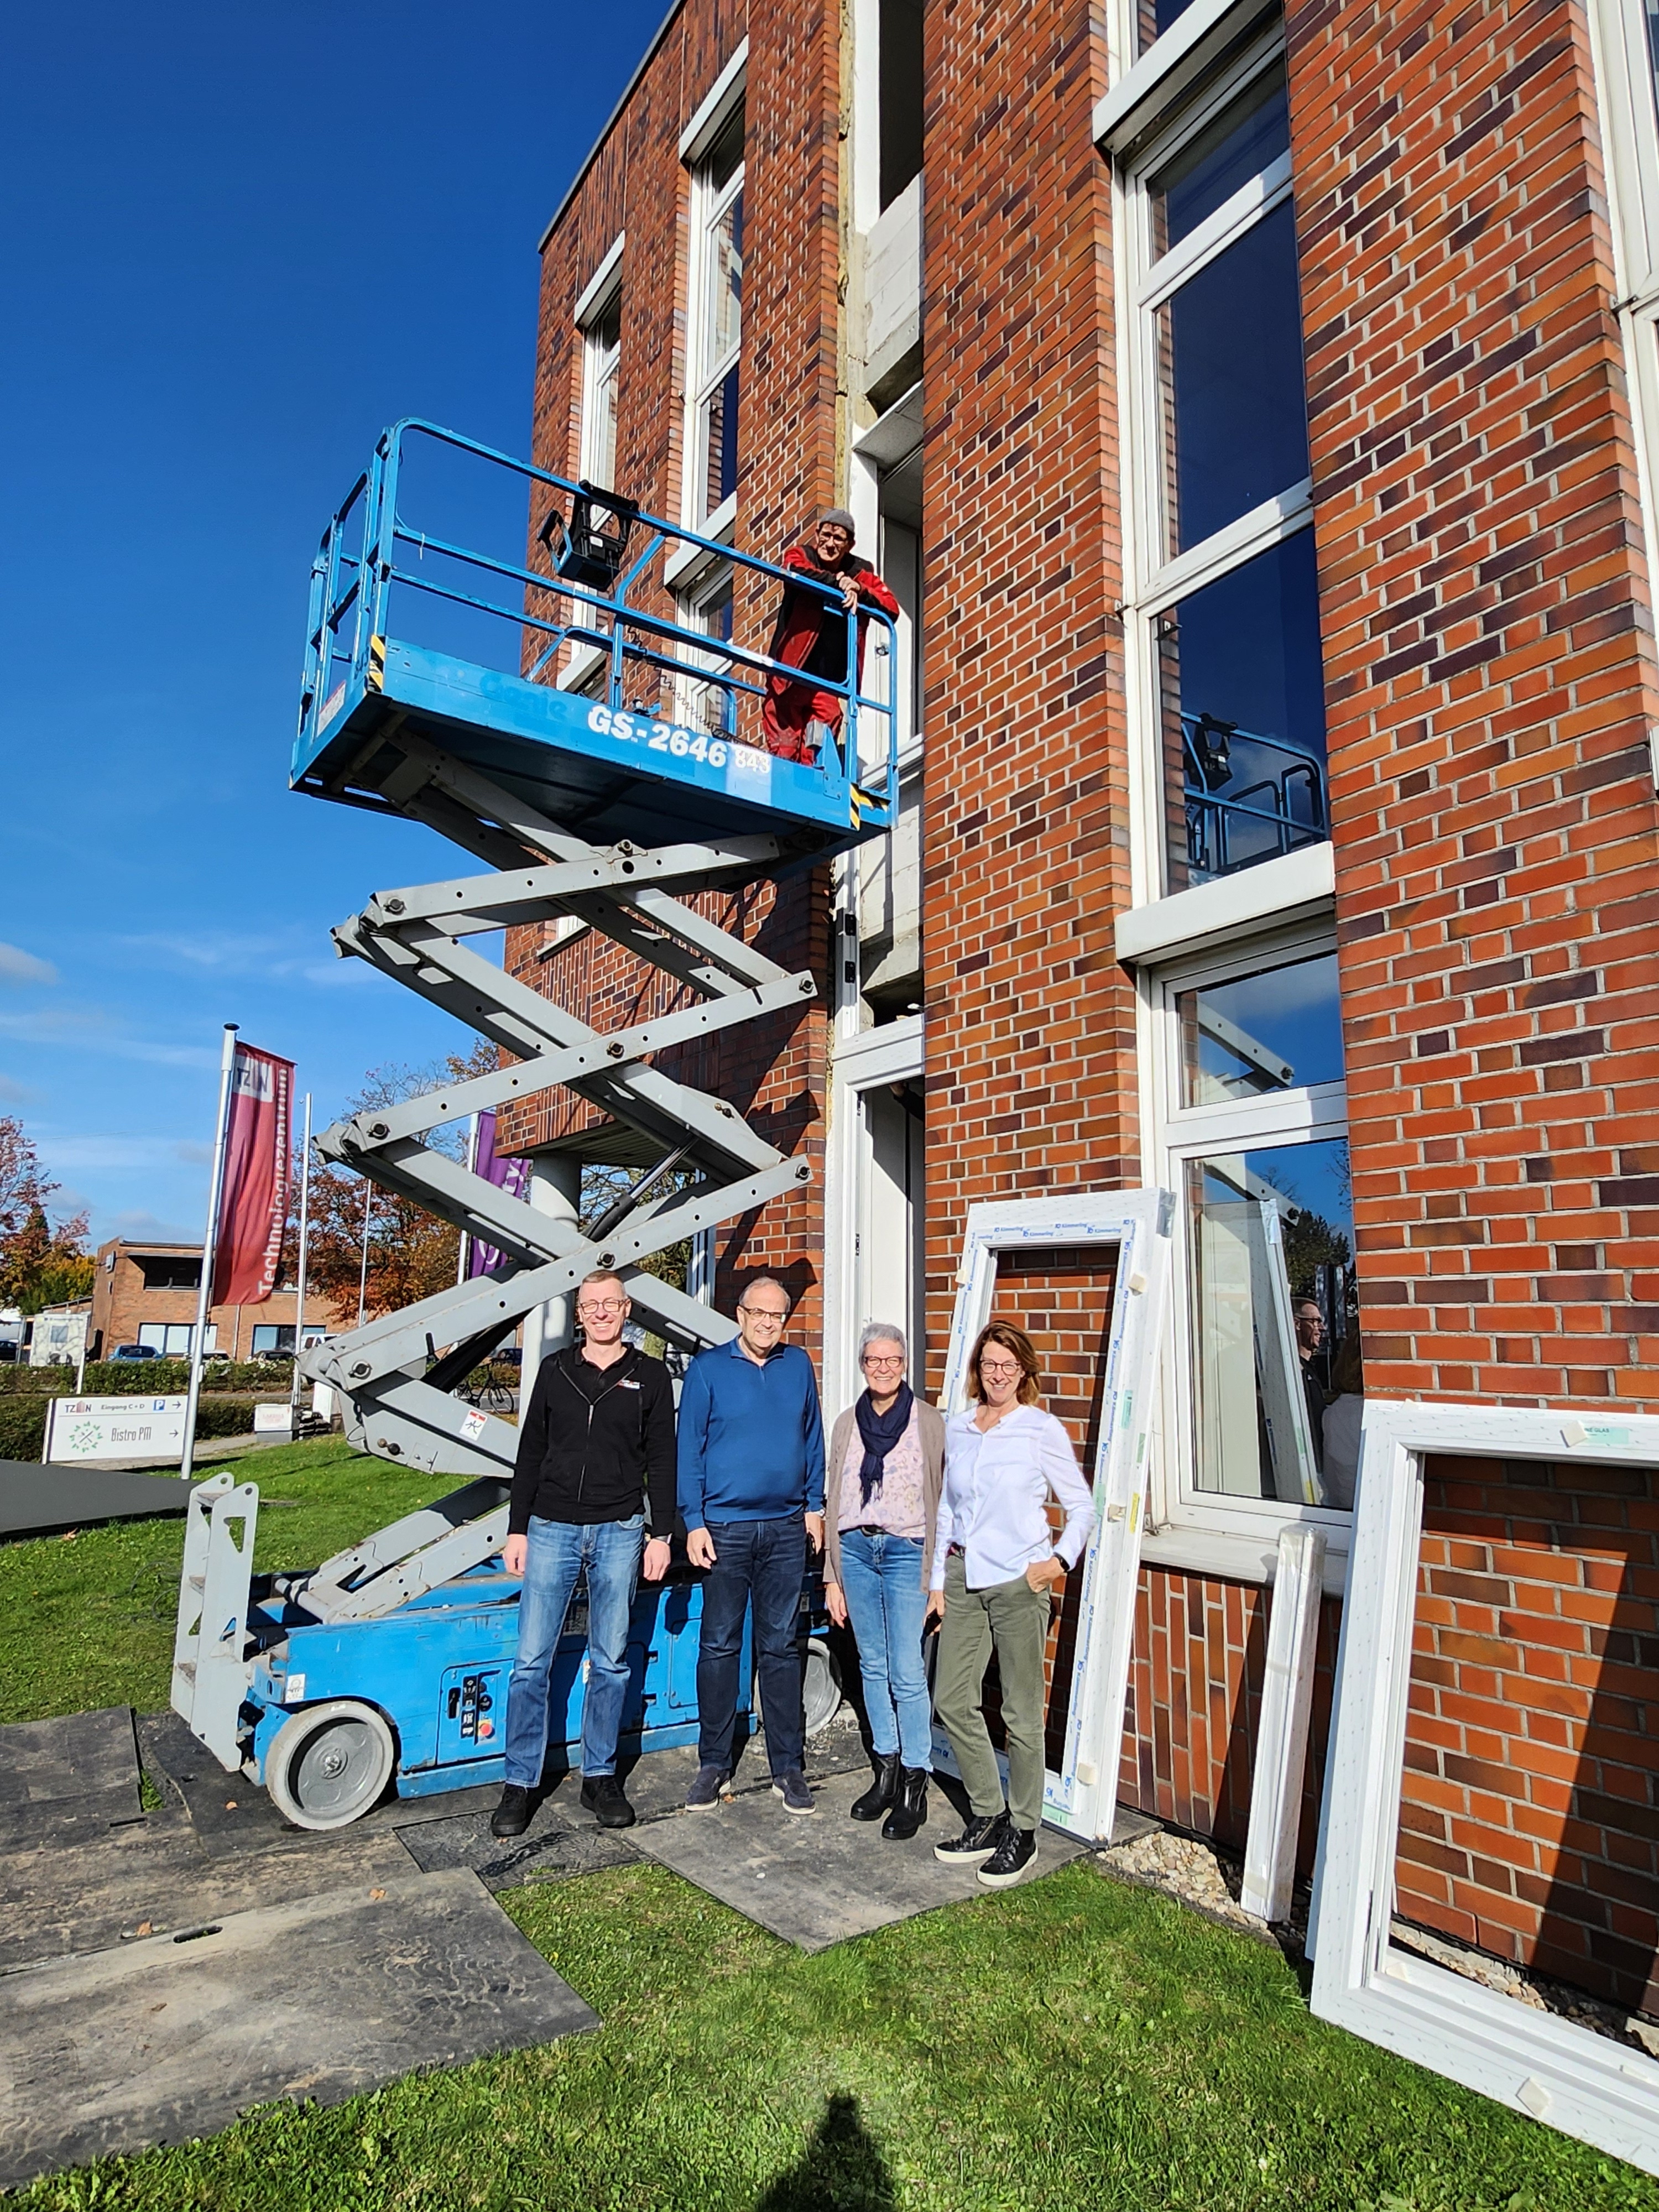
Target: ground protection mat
x,y
816,1881
38,1501
325,1998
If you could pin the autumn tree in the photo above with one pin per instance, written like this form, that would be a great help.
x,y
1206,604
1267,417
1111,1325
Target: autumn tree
x,y
43,1261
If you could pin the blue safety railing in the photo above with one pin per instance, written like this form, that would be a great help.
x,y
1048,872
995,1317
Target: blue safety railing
x,y
1248,797
603,553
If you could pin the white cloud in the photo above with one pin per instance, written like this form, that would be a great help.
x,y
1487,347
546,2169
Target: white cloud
x,y
16,1094
72,1153
140,1227
81,1029
17,966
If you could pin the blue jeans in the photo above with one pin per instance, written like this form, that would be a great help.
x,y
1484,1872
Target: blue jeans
x,y
762,1562
881,1578
558,1550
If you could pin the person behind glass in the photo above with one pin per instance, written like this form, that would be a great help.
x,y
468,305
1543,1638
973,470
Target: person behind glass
x,y
751,1494
995,1568
595,1461
881,1487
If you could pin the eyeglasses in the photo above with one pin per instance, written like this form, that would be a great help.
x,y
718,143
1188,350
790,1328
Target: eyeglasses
x,y
999,1367
870,1360
602,1305
765,1314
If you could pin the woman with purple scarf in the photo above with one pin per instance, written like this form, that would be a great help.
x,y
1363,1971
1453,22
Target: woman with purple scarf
x,y
881,1488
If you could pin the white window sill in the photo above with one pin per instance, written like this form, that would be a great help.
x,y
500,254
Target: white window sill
x,y
1289,889
1233,1558
680,569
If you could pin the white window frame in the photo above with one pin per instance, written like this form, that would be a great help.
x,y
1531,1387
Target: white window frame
x,y
1154,580
708,207
1536,2063
1628,101
896,1051
1206,1530
692,600
600,365
1082,1796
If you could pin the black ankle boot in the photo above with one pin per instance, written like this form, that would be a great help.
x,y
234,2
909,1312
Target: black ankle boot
x,y
882,1791
909,1810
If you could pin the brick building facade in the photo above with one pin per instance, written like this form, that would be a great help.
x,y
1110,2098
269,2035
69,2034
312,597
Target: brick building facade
x,y
1251,407
147,1293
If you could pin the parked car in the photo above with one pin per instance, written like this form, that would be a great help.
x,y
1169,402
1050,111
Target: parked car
x,y
135,1352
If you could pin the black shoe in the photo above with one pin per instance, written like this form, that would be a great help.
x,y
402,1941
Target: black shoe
x,y
977,1841
882,1791
602,1797
909,1810
512,1816
1013,1855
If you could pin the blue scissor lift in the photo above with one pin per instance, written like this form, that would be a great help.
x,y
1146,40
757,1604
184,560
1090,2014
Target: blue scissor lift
x,y
440,684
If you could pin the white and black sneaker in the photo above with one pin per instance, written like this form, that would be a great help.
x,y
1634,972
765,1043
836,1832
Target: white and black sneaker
x,y
1014,1855
978,1841
711,1788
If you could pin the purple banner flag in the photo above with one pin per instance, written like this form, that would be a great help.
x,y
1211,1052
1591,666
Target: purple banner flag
x,y
508,1171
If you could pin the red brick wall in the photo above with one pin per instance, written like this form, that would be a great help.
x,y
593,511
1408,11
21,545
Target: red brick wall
x,y
1490,683
1529,1821
775,1071
1030,1075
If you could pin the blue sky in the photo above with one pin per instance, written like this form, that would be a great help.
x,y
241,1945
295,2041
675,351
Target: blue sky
x,y
237,241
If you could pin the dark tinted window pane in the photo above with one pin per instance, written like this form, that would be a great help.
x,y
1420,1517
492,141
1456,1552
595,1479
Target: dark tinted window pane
x,y
1243,702
1239,145
1277,1380
726,151
1257,1034
900,74
1232,340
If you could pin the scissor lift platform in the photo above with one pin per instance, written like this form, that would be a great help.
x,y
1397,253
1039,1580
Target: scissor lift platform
x,y
667,756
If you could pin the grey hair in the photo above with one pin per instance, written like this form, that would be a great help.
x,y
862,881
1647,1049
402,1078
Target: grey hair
x,y
880,1332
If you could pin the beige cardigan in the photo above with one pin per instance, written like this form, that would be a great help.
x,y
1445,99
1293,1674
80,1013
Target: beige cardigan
x,y
931,1424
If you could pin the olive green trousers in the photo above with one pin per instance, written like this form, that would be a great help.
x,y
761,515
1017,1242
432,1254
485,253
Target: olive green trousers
x,y
1012,1617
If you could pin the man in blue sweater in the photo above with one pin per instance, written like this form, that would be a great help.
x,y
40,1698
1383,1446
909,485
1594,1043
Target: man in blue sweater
x,y
750,1494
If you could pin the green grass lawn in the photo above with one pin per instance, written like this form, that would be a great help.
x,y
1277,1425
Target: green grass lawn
x,y
1074,2044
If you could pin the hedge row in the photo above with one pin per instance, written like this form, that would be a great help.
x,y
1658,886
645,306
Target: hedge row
x,y
23,1422
144,1378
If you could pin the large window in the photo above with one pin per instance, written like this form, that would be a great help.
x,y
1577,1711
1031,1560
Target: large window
x,y
1266,1383
715,337
601,355
1223,610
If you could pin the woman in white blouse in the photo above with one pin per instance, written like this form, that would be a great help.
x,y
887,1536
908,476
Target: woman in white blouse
x,y
996,1565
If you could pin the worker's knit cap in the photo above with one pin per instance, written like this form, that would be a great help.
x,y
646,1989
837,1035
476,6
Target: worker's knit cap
x,y
841,521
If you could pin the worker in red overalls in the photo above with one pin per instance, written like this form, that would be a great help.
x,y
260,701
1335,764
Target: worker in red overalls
x,y
812,636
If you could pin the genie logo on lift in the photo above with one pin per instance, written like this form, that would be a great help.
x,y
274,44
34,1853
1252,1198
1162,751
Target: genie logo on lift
x,y
678,744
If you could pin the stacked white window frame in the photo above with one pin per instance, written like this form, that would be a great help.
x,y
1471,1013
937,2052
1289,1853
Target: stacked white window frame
x,y
1242,1084
601,357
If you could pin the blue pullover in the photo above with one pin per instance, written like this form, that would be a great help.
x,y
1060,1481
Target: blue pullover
x,y
751,1437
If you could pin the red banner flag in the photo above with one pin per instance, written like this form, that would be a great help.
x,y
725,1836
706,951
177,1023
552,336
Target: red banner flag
x,y
253,1196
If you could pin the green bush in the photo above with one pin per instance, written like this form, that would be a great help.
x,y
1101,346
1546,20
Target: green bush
x,y
145,1378
23,1422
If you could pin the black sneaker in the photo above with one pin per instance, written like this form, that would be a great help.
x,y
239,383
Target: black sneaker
x,y
602,1797
1011,1858
512,1816
977,1841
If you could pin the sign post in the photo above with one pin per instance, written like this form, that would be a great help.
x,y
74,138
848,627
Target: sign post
x,y
299,1272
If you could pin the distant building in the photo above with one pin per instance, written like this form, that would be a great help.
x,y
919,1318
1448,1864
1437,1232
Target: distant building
x,y
146,1293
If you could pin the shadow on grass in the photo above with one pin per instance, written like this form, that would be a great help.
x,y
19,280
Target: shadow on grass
x,y
843,2170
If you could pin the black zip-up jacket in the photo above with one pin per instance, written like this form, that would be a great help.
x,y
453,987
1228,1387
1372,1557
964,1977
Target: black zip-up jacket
x,y
596,1444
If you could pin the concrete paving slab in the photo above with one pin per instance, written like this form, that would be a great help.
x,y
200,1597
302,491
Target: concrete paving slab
x,y
819,1881
152,1877
42,1501
323,1998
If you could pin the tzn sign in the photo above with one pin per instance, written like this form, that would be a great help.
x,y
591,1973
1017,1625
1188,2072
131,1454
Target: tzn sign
x,y
82,1429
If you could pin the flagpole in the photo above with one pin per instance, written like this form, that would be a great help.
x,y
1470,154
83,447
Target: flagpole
x,y
299,1272
363,1273
464,1242
209,1244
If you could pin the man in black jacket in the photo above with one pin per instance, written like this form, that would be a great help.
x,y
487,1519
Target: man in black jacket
x,y
595,1464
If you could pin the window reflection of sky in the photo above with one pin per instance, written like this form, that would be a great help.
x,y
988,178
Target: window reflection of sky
x,y
1242,142
1312,1178
1290,1013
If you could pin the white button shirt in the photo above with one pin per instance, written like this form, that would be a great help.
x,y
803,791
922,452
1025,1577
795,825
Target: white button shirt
x,y
994,1502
